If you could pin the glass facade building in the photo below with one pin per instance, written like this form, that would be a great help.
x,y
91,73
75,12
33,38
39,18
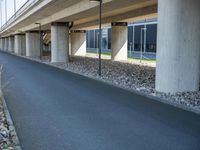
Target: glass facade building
x,y
142,36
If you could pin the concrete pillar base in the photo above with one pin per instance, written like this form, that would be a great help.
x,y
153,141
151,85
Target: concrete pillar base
x,y
33,44
1,44
11,44
60,42
20,44
119,41
6,44
78,42
178,54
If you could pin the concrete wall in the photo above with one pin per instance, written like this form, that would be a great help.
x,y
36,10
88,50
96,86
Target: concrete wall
x,y
78,43
178,56
33,44
20,44
119,42
59,42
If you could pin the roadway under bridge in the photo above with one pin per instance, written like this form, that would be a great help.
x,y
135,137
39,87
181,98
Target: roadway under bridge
x,y
53,109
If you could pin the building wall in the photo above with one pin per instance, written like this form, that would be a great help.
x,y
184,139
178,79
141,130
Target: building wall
x,y
134,38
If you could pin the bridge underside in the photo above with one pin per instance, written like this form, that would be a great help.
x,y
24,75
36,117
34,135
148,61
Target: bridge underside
x,y
178,57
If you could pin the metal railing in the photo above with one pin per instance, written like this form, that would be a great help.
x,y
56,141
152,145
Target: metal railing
x,y
19,12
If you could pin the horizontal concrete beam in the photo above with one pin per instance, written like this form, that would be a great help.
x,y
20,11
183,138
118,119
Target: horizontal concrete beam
x,y
83,13
131,16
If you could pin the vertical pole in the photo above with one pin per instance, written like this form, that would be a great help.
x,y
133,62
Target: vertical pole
x,y
94,42
145,37
107,39
40,41
100,38
88,33
6,12
15,7
133,38
141,44
1,18
97,43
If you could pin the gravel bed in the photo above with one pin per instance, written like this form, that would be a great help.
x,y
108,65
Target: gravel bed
x,y
130,76
6,134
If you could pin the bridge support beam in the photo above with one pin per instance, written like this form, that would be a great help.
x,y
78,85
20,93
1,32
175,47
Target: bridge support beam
x,y
33,44
6,44
119,41
1,43
78,42
20,44
11,44
178,55
60,42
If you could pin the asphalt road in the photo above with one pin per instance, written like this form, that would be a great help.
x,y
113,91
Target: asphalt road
x,y
58,110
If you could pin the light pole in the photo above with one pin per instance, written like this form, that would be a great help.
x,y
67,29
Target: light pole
x,y
40,32
141,40
6,12
100,32
15,7
1,17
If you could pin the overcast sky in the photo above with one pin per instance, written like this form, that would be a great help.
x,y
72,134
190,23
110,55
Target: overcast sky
x,y
10,8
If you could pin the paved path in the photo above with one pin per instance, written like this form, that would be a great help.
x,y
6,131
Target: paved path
x,y
58,110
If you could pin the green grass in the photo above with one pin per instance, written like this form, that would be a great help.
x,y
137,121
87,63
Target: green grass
x,y
103,53
109,54
145,60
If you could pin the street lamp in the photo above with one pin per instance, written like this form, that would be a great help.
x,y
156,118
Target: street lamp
x,y
40,32
100,32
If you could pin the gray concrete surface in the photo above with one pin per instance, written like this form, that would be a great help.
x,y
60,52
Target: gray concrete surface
x,y
82,12
33,44
119,39
53,109
6,44
78,42
11,44
20,44
60,42
178,54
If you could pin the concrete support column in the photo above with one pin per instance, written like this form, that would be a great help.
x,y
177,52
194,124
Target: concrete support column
x,y
11,44
33,44
119,41
1,43
60,42
2,46
178,54
6,44
78,42
20,44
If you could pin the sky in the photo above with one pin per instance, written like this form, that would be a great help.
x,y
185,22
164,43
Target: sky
x,y
10,8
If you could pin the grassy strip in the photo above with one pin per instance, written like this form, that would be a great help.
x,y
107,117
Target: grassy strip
x,y
136,59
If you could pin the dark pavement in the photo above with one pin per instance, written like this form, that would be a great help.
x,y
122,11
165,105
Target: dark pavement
x,y
58,110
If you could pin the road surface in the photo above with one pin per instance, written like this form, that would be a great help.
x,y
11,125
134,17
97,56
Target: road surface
x,y
58,110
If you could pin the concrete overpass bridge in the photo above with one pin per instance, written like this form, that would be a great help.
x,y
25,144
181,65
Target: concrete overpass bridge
x,y
178,54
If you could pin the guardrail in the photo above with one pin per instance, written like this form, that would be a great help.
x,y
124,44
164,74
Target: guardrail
x,y
19,12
